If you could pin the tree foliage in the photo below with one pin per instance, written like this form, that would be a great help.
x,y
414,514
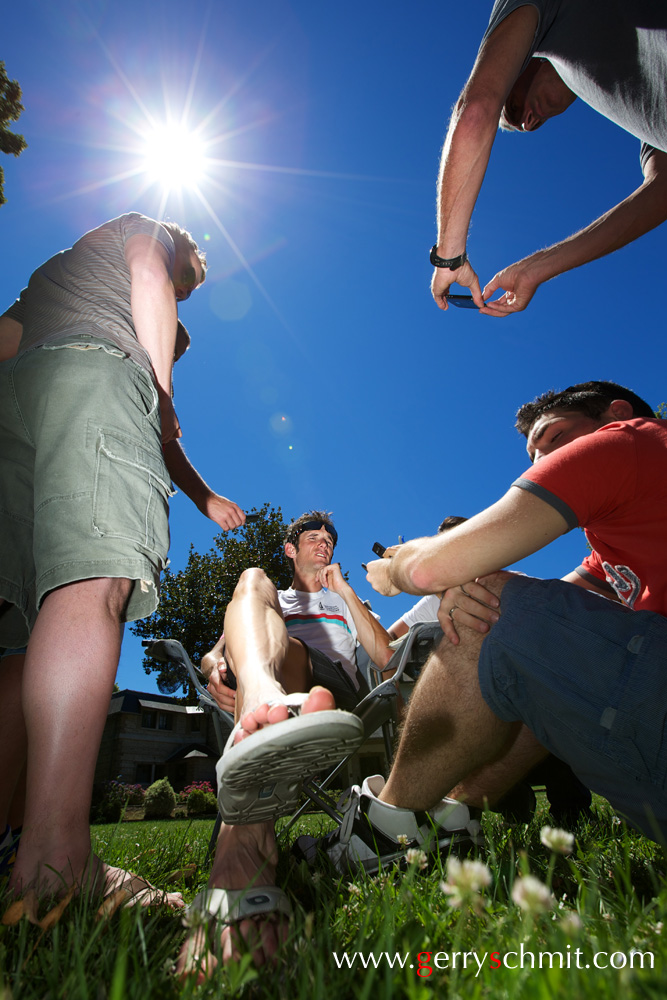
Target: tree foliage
x,y
193,601
10,111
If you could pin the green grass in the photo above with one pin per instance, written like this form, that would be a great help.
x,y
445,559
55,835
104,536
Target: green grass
x,y
614,881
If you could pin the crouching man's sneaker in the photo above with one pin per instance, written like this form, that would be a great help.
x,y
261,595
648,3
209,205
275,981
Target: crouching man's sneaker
x,y
374,834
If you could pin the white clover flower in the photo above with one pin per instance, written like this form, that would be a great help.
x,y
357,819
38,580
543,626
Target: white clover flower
x,y
353,889
557,840
532,895
416,857
465,880
403,839
571,923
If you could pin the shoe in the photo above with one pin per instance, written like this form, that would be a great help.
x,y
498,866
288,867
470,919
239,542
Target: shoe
x,y
261,777
518,805
374,834
9,843
228,906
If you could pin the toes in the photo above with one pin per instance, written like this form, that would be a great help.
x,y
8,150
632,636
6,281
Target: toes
x,y
259,936
195,959
277,713
318,700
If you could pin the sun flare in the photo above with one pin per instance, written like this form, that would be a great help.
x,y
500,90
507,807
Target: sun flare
x,y
174,157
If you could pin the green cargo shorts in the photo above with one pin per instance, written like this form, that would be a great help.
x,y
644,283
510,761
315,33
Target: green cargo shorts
x,y
84,490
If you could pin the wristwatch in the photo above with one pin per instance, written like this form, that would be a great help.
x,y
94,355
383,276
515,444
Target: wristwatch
x,y
453,263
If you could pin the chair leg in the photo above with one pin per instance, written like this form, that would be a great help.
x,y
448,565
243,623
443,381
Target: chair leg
x,y
214,839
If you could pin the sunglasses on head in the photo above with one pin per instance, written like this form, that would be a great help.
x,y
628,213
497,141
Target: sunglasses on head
x,y
316,525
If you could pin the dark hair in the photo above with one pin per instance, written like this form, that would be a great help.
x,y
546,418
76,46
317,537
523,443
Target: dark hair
x,y
591,398
178,234
451,522
296,527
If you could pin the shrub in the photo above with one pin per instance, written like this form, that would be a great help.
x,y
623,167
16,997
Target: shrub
x,y
160,800
110,799
202,786
135,794
200,801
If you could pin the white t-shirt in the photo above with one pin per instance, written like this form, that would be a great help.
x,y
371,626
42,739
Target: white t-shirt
x,y
425,610
322,620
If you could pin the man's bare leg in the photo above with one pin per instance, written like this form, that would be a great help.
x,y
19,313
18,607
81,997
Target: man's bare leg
x,y
267,664
68,679
491,782
265,661
450,732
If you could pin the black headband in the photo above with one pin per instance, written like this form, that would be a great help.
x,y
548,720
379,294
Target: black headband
x,y
315,526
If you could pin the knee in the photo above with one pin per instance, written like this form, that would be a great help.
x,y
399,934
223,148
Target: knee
x,y
251,582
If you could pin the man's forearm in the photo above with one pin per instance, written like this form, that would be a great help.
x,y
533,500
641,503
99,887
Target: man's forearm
x,y
474,123
515,526
371,634
640,212
185,476
465,157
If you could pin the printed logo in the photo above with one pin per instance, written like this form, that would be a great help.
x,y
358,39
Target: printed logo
x,y
626,583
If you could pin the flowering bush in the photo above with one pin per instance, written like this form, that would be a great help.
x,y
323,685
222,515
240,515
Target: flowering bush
x,y
201,786
110,799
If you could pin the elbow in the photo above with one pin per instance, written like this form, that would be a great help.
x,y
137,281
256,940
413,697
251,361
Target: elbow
x,y
478,111
420,575
150,272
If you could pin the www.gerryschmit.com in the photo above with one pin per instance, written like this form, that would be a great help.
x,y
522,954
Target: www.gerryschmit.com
x,y
426,962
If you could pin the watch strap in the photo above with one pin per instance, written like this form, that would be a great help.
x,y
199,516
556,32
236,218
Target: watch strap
x,y
453,263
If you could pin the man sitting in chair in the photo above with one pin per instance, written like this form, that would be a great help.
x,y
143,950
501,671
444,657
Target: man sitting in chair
x,y
282,649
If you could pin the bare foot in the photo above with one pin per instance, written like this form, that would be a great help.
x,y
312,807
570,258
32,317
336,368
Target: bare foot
x,y
122,888
318,699
245,856
113,887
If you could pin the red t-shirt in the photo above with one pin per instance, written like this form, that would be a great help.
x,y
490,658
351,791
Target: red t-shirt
x,y
613,483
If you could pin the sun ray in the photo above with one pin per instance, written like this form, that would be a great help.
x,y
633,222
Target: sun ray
x,y
246,266
96,185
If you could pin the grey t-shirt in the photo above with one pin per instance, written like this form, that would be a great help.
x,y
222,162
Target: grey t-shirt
x,y
86,290
610,53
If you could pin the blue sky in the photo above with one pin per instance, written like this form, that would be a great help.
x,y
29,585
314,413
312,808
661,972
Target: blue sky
x,y
323,126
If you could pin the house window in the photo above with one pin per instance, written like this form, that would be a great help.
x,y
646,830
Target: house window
x,y
148,719
164,720
144,774
195,723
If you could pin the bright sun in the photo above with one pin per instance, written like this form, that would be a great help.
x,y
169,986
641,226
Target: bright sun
x,y
174,157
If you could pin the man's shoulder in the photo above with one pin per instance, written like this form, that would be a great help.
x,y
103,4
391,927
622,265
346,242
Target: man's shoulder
x,y
639,432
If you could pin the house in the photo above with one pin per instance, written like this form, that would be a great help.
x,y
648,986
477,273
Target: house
x,y
150,736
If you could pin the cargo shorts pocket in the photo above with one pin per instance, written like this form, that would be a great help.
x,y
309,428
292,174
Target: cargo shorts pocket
x,y
131,492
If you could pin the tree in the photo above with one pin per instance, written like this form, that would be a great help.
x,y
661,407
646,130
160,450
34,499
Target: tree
x,y
193,601
10,111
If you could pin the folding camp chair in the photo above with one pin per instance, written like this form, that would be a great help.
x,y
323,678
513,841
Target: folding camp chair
x,y
377,710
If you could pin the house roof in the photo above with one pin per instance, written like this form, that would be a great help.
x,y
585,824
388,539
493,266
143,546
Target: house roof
x,y
136,701
192,750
